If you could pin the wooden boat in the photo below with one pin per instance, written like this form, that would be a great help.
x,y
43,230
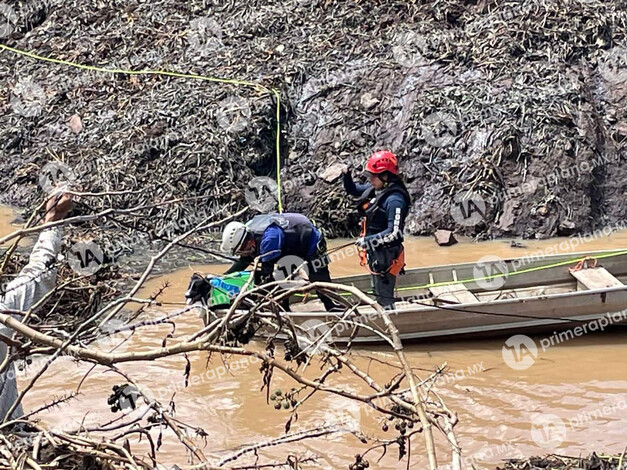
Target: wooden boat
x,y
519,295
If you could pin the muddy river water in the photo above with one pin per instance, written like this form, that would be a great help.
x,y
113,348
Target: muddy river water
x,y
572,400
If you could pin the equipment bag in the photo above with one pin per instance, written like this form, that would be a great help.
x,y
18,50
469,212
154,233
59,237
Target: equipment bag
x,y
225,289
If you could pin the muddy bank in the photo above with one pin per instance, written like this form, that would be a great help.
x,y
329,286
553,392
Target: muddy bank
x,y
521,103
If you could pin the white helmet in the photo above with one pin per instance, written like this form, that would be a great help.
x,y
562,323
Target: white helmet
x,y
233,237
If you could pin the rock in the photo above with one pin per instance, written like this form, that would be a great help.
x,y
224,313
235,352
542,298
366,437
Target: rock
x,y
76,124
332,173
516,244
566,228
368,101
444,237
507,218
621,127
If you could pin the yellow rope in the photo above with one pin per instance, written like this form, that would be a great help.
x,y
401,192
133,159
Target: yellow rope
x,y
254,85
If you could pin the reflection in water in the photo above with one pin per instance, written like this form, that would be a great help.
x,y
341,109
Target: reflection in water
x,y
581,385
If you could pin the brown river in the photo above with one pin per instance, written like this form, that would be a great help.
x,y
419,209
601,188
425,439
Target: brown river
x,y
571,401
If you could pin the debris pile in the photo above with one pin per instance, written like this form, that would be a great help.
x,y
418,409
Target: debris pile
x,y
520,103
77,298
37,447
558,462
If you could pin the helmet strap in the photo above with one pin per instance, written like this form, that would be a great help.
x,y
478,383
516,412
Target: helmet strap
x,y
242,242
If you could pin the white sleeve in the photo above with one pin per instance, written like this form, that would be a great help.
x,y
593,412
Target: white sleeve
x,y
38,277
35,280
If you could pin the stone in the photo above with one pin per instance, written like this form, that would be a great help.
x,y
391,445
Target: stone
x,y
368,101
76,124
332,173
444,237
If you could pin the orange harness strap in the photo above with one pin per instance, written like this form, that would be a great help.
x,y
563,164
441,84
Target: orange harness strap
x,y
395,268
398,264
363,256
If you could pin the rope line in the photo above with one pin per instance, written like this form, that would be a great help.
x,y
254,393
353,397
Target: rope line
x,y
523,271
256,86
474,279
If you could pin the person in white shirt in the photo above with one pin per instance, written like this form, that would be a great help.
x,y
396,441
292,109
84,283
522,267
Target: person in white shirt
x,y
32,283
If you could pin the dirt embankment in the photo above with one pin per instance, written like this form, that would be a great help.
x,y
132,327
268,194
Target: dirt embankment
x,y
522,103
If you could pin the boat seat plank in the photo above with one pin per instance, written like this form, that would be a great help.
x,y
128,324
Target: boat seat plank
x,y
458,293
595,278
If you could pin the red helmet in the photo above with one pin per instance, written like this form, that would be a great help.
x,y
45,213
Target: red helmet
x,y
381,161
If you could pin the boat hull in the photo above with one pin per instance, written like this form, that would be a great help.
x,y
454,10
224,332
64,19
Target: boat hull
x,y
534,295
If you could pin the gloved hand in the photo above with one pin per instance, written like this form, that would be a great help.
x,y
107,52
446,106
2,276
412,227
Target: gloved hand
x,y
265,273
198,288
361,242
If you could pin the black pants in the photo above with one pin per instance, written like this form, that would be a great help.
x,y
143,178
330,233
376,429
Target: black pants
x,y
383,287
317,271
318,267
380,260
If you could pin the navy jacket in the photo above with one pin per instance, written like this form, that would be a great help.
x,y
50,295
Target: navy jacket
x,y
384,225
273,242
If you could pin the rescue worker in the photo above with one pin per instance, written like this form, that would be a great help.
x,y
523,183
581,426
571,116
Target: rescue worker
x,y
274,236
32,283
383,204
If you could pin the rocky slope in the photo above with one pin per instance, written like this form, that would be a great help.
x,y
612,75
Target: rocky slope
x,y
508,117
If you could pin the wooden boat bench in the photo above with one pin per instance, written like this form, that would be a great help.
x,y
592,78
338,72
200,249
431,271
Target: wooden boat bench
x,y
594,278
456,293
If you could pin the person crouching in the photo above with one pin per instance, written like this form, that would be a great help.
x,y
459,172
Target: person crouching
x,y
275,236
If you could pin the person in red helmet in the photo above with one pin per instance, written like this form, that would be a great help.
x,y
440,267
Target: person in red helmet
x,y
383,204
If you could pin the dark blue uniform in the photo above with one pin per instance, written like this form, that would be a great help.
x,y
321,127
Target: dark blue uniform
x,y
384,212
287,234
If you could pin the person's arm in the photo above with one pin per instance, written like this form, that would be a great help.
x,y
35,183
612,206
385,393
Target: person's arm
x,y
240,265
39,276
270,249
394,206
352,188
32,283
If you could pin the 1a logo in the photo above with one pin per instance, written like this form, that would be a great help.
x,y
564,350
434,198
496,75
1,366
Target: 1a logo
x,y
8,20
205,36
519,352
28,98
233,114
409,48
86,258
345,417
439,129
548,431
56,176
260,193
468,208
288,268
314,336
490,272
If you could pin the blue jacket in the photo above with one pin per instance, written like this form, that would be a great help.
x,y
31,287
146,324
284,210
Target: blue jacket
x,y
273,243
